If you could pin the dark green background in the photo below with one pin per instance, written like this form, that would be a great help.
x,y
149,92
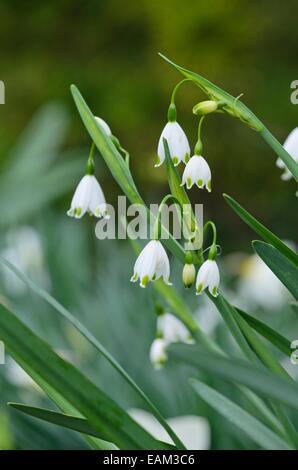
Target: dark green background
x,y
109,50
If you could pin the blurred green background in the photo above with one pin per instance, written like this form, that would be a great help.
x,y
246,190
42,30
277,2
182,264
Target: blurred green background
x,y
108,48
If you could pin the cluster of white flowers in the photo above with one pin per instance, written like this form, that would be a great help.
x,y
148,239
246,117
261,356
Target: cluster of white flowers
x,y
153,262
197,170
291,146
169,330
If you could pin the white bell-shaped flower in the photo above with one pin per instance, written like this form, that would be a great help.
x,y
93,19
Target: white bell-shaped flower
x,y
177,142
197,171
158,355
208,276
291,146
151,264
104,125
172,330
88,197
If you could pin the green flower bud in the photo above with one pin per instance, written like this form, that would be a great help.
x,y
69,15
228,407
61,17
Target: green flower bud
x,y
205,107
172,113
188,275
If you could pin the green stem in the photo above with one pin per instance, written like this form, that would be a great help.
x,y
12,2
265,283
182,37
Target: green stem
x,y
90,161
176,88
157,225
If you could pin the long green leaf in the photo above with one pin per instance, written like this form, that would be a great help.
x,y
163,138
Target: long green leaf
x,y
86,333
286,271
67,421
275,338
253,428
242,329
64,406
234,107
235,370
261,230
117,165
108,418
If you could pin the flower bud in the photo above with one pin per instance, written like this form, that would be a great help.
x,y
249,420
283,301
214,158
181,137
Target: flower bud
x,y
188,275
172,113
205,107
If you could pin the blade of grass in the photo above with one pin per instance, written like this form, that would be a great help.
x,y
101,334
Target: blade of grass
x,y
258,378
275,338
261,230
234,107
67,421
117,165
107,417
86,333
286,271
241,328
253,428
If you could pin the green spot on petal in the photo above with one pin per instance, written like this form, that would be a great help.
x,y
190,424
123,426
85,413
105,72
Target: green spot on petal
x,y
188,182
200,183
186,158
214,292
158,161
78,211
209,185
199,288
134,278
145,281
175,160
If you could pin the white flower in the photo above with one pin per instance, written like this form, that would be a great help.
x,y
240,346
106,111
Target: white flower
x,y
193,431
24,250
171,329
158,355
177,142
197,171
291,146
104,125
89,197
151,264
258,286
208,276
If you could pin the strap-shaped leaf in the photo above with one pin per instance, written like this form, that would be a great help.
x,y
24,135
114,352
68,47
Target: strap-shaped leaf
x,y
253,428
95,342
235,370
66,421
117,165
261,230
275,338
108,418
286,271
234,107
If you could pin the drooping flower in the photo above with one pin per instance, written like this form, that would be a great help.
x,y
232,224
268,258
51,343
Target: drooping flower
x,y
177,142
291,146
197,171
89,197
171,329
158,355
104,125
151,264
208,276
